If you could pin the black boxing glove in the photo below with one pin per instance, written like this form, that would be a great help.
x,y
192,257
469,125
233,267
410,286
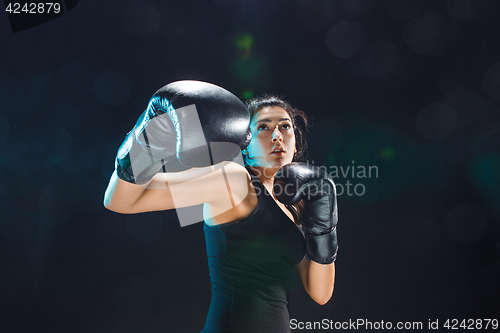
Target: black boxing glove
x,y
296,181
149,145
206,113
186,124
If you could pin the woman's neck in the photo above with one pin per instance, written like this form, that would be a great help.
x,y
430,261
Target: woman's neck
x,y
266,176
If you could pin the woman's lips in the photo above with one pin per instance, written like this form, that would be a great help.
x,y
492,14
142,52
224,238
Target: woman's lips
x,y
278,151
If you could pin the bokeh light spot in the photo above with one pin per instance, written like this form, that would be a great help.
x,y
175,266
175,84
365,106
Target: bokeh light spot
x,y
247,94
344,39
243,44
475,115
421,33
404,10
436,121
358,6
247,71
387,153
485,177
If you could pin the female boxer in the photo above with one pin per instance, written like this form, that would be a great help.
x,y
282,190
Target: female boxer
x,y
253,243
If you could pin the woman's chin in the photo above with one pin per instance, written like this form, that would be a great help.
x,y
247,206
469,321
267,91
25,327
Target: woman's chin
x,y
282,160
275,162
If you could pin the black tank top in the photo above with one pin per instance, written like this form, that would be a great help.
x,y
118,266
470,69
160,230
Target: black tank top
x,y
251,263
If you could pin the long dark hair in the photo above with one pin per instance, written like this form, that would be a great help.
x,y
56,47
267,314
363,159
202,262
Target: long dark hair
x,y
299,120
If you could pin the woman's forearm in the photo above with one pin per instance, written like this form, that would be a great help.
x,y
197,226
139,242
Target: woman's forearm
x,y
321,281
191,187
121,196
318,280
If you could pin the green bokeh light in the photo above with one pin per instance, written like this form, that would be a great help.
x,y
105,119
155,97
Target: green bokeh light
x,y
485,177
243,44
247,94
247,71
387,153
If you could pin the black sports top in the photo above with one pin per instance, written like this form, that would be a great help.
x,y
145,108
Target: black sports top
x,y
251,262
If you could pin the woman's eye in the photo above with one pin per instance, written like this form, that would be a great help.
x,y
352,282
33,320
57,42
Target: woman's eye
x,y
286,126
262,127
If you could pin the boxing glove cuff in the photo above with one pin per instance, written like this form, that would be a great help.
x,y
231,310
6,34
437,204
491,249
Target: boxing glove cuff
x,y
134,163
322,248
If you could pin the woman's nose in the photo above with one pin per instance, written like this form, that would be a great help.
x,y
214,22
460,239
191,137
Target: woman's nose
x,y
277,135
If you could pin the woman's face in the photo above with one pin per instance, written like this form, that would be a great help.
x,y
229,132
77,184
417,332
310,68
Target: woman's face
x,y
273,138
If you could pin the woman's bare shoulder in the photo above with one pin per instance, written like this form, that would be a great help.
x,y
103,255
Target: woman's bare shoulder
x,y
236,201
233,179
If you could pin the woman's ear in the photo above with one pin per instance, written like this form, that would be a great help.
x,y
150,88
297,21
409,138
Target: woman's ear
x,y
245,156
294,159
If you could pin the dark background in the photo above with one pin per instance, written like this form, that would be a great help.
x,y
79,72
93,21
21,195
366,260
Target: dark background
x,y
411,87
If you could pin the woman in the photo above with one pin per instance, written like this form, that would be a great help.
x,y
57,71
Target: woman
x,y
253,244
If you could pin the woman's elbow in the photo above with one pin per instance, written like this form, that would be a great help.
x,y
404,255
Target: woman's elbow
x,y
323,299
107,204
321,296
112,206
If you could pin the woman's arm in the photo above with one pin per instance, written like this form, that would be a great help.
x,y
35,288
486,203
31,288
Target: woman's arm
x,y
128,198
193,123
318,280
219,184
319,223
